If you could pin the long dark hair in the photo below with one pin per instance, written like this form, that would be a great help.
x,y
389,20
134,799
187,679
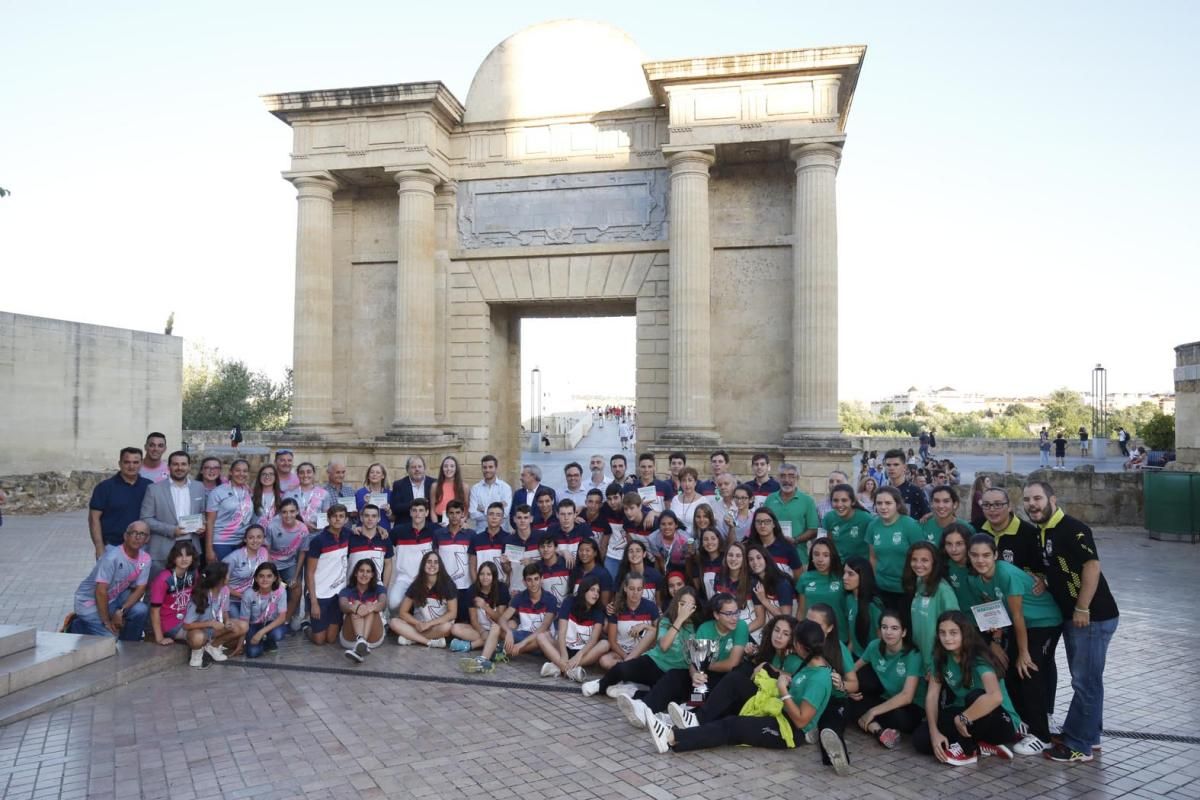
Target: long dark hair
x,y
619,603
623,568
460,491
493,595
909,578
579,606
695,562
812,637
754,538
979,538
374,573
270,567
767,652
212,576
866,595
673,607
855,505
906,642
966,533
835,560
894,493
973,648
276,492
740,592
827,613
175,584
772,574
442,584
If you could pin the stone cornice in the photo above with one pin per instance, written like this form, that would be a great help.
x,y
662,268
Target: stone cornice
x,y
289,106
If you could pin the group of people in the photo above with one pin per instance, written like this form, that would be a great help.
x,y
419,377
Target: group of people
x,y
902,620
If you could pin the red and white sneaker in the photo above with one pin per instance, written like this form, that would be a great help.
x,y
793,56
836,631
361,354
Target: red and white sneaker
x,y
956,757
999,750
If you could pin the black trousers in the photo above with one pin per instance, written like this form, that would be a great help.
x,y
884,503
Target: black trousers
x,y
754,731
834,718
904,719
730,693
675,686
639,670
995,728
1033,697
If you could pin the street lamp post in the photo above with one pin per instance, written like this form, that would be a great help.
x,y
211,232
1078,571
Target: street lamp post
x,y
1099,411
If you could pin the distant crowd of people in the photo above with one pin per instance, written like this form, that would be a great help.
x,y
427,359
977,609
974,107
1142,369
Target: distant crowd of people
x,y
714,610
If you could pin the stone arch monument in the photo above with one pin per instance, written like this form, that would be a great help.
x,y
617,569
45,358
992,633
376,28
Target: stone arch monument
x,y
579,179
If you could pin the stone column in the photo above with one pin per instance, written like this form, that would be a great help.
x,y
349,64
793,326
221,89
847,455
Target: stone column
x,y
445,205
815,296
414,390
689,409
312,364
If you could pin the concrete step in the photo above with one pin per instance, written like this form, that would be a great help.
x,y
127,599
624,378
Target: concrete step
x,y
52,655
133,660
15,638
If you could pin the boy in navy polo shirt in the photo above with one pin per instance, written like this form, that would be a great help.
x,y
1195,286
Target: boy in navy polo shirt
x,y
371,541
326,576
555,572
453,544
524,536
529,613
488,544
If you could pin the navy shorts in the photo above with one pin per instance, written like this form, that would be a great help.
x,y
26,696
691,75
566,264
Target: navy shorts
x,y
331,614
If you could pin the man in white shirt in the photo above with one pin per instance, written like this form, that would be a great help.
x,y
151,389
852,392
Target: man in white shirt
x,y
165,506
489,490
575,490
597,479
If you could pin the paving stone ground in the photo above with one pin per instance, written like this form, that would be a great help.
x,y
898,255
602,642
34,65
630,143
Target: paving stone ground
x,y
289,728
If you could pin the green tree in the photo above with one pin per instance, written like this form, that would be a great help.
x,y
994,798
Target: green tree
x,y
218,394
1065,411
1134,418
1159,432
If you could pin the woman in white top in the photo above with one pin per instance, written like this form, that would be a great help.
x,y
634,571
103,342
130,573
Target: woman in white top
x,y
685,503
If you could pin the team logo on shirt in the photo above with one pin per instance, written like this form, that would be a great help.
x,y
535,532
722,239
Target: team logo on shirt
x,y
1007,555
1049,548
853,532
901,670
896,537
835,586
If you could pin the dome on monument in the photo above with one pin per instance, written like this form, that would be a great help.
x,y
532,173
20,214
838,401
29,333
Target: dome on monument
x,y
558,68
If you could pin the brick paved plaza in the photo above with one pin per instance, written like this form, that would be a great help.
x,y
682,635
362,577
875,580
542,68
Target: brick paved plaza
x,y
300,724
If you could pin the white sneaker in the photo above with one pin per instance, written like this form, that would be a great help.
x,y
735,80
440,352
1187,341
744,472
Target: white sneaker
x,y
621,689
836,750
197,659
660,732
1030,746
400,640
590,688
811,736
549,670
216,653
439,644
577,674
682,716
353,655
633,710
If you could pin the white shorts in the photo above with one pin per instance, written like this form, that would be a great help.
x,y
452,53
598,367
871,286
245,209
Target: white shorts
x,y
347,645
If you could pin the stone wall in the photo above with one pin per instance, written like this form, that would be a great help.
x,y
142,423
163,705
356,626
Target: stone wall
x,y
971,446
1096,498
72,395
44,492
1187,406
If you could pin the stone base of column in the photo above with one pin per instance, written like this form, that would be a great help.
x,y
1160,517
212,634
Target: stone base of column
x,y
421,436
684,438
322,430
815,440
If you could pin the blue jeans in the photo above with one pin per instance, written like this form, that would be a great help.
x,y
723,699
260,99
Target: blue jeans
x,y
612,565
135,620
1086,651
275,634
223,550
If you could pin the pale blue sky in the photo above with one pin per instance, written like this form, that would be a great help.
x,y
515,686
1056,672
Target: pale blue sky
x,y
1017,199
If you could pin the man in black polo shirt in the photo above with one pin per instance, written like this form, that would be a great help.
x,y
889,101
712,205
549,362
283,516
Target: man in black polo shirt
x,y
896,467
1075,579
117,502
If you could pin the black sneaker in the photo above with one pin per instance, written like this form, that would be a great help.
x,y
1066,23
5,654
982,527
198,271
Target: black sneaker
x,y
1061,752
361,648
269,644
353,655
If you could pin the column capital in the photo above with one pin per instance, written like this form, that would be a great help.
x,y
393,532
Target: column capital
x,y
690,158
815,154
416,181
446,190
313,184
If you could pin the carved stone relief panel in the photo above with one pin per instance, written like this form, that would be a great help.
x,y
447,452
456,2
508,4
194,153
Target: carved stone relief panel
x,y
626,206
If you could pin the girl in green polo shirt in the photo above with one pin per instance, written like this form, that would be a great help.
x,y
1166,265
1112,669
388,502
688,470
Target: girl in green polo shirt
x,y
978,715
954,557
931,596
832,724
863,606
1028,644
847,523
822,582
888,672
943,502
889,537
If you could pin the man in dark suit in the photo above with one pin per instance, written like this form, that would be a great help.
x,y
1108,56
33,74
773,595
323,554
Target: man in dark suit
x,y
531,481
165,502
404,491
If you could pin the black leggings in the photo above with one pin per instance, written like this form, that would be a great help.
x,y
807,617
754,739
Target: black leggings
x,y
639,670
834,719
754,731
1033,697
995,728
730,693
675,686
904,719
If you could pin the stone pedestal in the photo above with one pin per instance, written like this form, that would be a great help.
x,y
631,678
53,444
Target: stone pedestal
x,y
815,299
312,404
415,333
1187,406
689,398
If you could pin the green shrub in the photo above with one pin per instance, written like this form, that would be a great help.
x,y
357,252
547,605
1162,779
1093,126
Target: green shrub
x,y
1159,432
